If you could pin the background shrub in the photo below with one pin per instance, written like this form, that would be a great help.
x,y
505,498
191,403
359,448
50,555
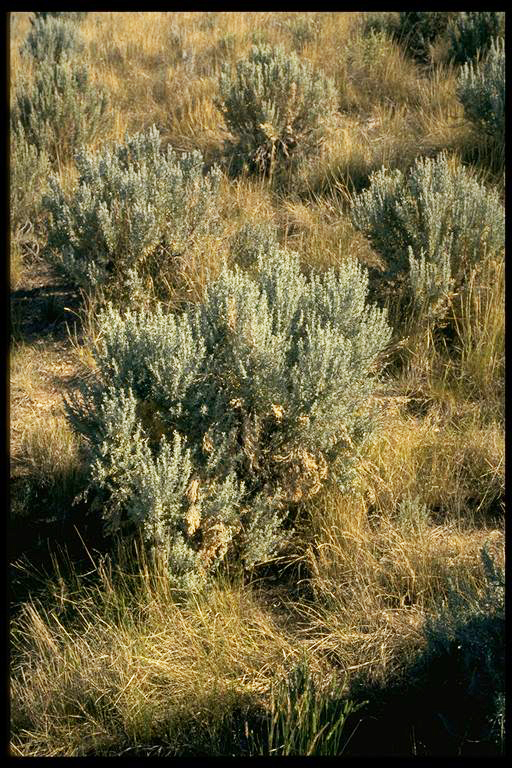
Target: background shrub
x,y
133,212
471,33
67,15
418,30
51,37
481,89
61,108
207,428
29,168
276,106
431,224
469,637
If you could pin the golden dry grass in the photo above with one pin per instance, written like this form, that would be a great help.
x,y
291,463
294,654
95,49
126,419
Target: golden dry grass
x,y
133,660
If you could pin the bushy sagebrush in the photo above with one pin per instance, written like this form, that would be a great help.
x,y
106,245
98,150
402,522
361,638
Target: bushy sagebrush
x,y
251,240
471,635
67,15
61,109
418,30
51,37
432,224
302,27
133,212
28,178
481,90
208,427
471,33
276,106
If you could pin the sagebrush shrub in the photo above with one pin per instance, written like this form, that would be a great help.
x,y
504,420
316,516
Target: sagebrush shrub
x,y
67,15
208,427
276,106
431,224
252,239
418,30
471,33
51,37
29,169
133,212
481,90
61,109
470,633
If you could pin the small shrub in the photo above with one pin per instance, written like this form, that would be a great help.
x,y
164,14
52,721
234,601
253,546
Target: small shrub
x,y
132,214
432,224
66,15
276,107
470,635
28,177
303,28
252,240
60,109
52,37
208,427
481,90
471,33
418,30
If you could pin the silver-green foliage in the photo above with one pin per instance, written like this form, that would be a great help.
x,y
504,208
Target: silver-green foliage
x,y
207,427
76,16
432,223
52,37
276,106
471,32
61,108
28,177
132,212
481,90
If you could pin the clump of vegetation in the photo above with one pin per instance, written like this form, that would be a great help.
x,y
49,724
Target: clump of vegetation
x,y
61,108
305,720
276,106
468,638
418,30
133,214
66,15
207,428
481,90
52,37
432,225
472,32
29,171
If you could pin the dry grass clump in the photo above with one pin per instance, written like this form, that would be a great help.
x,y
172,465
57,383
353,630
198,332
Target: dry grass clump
x,y
376,578
453,463
318,230
124,663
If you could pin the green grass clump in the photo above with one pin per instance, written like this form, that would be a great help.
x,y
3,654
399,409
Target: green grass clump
x,y
304,720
